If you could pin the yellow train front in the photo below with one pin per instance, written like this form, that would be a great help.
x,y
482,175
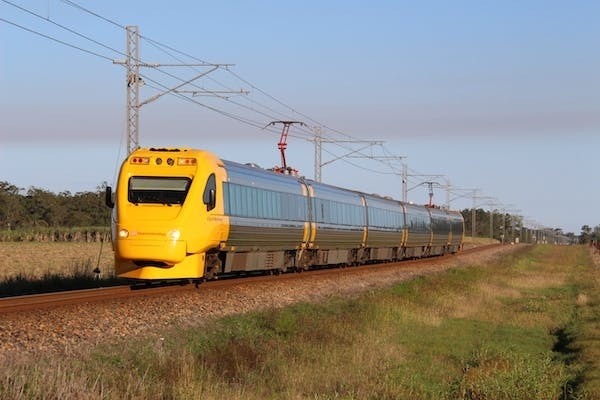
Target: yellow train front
x,y
166,213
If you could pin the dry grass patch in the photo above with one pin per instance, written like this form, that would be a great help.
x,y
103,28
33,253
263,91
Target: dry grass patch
x,y
494,290
582,299
538,281
35,259
414,313
470,241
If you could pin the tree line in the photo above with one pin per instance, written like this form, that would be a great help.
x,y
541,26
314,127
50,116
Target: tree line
x,y
39,208
589,234
507,227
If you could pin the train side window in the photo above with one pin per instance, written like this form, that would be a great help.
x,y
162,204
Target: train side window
x,y
210,193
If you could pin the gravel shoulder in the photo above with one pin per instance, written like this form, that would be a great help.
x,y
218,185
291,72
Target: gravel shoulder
x,y
69,330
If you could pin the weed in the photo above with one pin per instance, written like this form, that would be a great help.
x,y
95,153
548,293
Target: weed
x,y
487,332
81,276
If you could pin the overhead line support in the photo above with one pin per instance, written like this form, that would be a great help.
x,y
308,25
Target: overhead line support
x,y
318,141
135,81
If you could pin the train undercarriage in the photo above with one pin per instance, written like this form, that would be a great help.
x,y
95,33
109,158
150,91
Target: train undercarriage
x,y
228,262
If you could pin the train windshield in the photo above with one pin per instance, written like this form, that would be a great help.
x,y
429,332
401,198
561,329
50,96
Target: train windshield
x,y
158,190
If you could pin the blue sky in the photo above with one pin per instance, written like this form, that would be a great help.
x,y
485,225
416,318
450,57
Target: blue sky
x,y
503,96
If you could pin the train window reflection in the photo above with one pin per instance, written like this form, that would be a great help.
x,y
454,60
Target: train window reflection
x,y
251,202
158,190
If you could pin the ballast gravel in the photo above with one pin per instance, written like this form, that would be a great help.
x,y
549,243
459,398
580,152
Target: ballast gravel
x,y
70,329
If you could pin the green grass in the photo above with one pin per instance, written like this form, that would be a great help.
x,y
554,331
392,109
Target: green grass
x,y
526,327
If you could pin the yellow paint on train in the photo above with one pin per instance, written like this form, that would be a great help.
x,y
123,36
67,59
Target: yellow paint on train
x,y
165,237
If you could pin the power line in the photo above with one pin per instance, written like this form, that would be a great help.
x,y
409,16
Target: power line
x,y
239,118
56,40
247,121
270,113
75,5
254,87
62,26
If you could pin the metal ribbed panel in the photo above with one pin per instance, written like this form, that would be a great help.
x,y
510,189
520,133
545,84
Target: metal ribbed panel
x,y
251,234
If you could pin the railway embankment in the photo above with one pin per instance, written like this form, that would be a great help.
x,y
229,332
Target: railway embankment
x,y
517,319
21,333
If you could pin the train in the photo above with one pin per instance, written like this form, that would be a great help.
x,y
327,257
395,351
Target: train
x,y
185,214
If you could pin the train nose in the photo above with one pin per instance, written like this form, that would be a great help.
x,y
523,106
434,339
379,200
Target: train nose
x,y
164,247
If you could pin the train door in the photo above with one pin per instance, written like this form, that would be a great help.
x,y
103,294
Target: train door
x,y
310,226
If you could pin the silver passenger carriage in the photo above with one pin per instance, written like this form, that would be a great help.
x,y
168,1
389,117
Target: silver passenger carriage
x,y
385,233
267,214
418,231
340,221
280,221
457,224
440,231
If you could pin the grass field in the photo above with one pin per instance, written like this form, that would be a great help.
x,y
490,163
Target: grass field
x,y
526,327
34,260
42,267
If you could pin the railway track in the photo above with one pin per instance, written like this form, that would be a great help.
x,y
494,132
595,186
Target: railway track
x,y
57,299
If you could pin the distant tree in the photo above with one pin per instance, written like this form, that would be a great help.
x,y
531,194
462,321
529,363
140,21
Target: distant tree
x,y
12,212
503,224
595,235
585,236
86,209
42,207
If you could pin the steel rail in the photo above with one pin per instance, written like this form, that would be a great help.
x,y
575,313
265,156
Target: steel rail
x,y
73,297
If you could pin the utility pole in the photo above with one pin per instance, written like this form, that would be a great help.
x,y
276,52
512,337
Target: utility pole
x,y
318,141
492,204
448,186
318,152
404,173
404,182
473,214
133,87
506,209
135,81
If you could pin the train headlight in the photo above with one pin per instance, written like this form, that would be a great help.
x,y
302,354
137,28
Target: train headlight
x,y
123,233
174,234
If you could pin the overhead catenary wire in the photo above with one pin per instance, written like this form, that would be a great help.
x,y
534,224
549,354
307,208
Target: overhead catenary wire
x,y
279,110
254,87
239,77
253,123
75,5
23,9
55,39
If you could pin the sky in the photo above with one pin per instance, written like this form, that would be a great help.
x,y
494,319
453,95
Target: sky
x,y
498,96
